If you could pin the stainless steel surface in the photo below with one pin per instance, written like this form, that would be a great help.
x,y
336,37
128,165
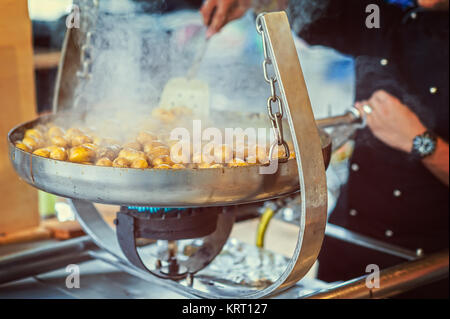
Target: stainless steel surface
x,y
350,117
153,187
44,259
364,241
103,277
306,142
393,280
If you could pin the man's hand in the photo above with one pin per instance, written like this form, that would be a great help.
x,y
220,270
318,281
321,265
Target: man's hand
x,y
217,13
396,125
391,121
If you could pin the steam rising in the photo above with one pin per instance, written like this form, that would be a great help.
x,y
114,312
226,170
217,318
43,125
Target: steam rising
x,y
137,52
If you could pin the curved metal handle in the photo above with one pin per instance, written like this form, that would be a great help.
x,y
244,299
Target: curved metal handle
x,y
307,146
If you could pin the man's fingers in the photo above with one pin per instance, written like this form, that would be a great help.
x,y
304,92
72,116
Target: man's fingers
x,y
220,17
380,95
371,117
207,10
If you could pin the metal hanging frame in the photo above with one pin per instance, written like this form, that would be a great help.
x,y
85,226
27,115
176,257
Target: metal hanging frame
x,y
295,104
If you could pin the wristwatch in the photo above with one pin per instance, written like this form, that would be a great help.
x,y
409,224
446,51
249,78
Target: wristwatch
x,y
424,145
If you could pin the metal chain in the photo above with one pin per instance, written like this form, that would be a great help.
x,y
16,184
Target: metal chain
x,y
89,13
276,118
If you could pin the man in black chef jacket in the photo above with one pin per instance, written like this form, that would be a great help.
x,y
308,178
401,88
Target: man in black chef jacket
x,y
397,190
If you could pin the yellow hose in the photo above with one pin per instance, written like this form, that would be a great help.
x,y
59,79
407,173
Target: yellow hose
x,y
262,226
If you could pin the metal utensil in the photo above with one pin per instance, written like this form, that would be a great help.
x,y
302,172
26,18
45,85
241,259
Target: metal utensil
x,y
189,91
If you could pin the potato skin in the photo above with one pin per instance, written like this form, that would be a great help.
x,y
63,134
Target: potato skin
x,y
58,153
163,159
146,137
121,162
108,152
132,154
81,154
34,133
139,163
104,161
148,147
55,131
44,152
80,139
23,147
59,140
31,143
158,151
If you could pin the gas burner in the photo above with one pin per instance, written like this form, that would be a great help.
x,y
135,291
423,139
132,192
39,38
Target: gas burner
x,y
171,224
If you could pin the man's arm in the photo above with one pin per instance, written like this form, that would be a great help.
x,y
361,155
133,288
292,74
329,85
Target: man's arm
x,y
437,163
217,13
340,24
396,125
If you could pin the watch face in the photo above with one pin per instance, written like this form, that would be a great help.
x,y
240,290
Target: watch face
x,y
424,145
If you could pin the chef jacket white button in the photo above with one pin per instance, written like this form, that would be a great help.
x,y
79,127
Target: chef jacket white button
x,y
384,62
355,167
389,233
413,15
419,252
397,193
433,90
353,212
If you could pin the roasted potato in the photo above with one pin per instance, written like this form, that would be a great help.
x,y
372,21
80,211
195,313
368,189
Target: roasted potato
x,y
178,166
71,132
31,143
237,162
55,131
59,140
108,152
132,154
104,161
158,151
139,163
23,147
57,153
163,159
121,162
34,133
80,139
145,137
132,145
81,153
44,152
180,152
148,147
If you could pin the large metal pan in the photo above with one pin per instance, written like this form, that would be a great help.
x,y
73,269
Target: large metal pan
x,y
153,187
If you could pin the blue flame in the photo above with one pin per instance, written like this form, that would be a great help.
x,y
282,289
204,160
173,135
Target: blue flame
x,y
153,210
